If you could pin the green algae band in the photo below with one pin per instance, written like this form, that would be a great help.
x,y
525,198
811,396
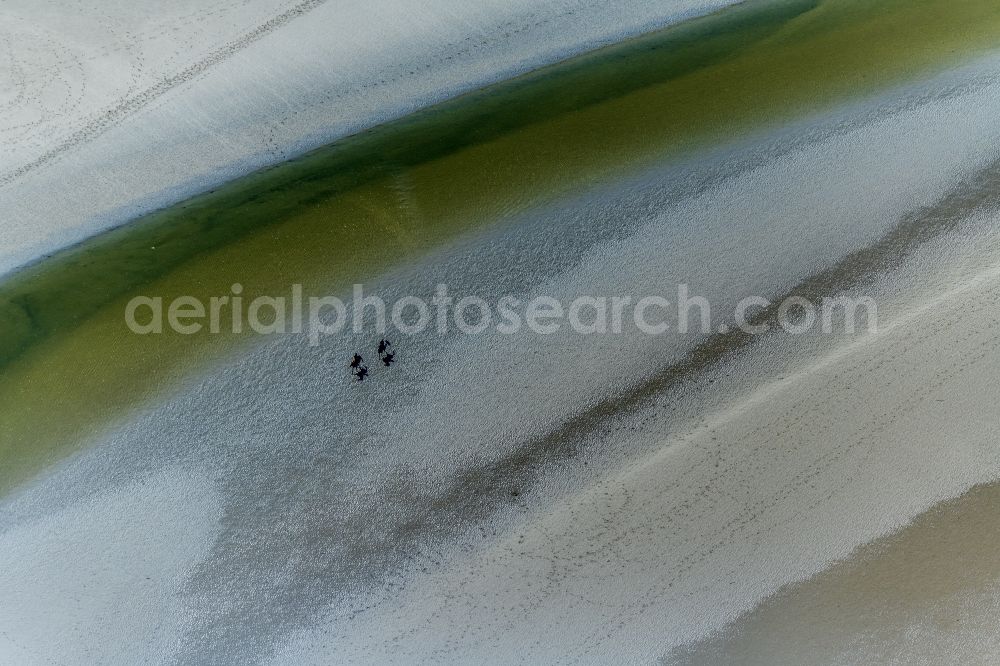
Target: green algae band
x,y
57,293
431,176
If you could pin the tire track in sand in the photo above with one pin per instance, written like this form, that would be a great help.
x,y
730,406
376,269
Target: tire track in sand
x,y
130,105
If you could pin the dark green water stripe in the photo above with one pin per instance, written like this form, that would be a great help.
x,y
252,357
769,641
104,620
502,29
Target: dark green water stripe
x,y
57,293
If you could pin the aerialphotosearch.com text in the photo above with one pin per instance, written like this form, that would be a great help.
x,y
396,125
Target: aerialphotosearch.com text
x,y
319,317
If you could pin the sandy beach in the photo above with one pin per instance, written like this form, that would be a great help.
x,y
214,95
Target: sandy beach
x,y
713,497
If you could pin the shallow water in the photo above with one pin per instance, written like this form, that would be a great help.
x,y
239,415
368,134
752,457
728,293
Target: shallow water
x,y
531,498
347,212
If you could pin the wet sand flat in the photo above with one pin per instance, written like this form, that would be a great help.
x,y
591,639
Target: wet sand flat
x,y
557,498
390,194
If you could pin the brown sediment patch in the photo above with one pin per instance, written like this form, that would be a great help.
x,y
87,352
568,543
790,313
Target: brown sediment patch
x,y
927,593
